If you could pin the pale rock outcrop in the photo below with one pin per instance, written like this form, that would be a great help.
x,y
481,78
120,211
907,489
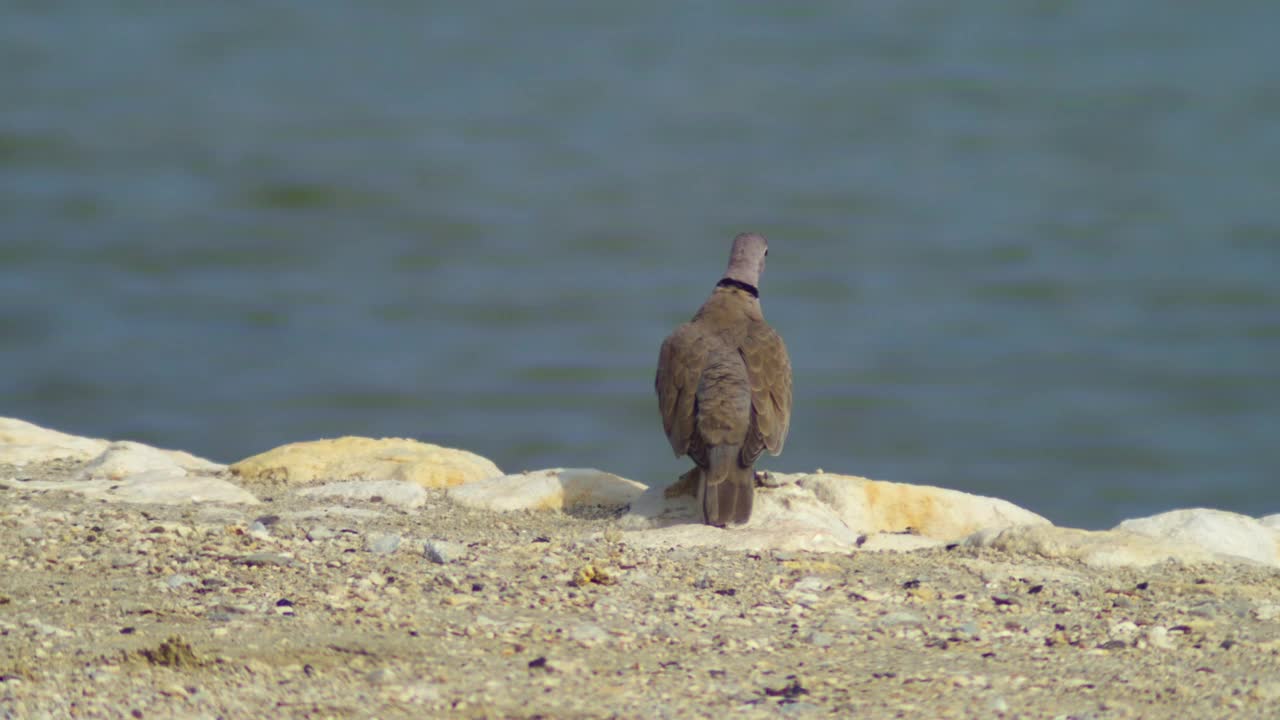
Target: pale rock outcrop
x,y
122,471
878,506
399,493
154,486
126,459
1217,531
361,458
826,512
22,442
784,518
553,489
1271,521
1098,548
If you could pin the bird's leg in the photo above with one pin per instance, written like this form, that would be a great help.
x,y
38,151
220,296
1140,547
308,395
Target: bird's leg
x,y
686,485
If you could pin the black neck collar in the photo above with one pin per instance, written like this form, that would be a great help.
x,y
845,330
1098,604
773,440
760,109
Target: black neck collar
x,y
745,287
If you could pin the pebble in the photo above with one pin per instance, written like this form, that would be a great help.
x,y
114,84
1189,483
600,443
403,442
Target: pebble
x,y
320,533
443,552
264,559
1267,611
1158,637
1124,631
178,580
811,584
895,619
588,634
820,639
31,532
396,493
383,544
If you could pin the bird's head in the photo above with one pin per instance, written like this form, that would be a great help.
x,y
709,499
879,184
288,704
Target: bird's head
x,y
746,260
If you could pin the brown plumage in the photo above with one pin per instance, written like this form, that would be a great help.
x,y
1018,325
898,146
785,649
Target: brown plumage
x,y
724,387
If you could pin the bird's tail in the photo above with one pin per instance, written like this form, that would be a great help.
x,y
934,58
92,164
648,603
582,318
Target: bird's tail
x,y
729,489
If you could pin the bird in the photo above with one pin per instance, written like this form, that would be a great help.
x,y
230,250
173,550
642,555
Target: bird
x,y
724,387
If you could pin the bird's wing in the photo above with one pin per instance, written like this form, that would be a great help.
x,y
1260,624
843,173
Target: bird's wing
x,y
680,364
769,370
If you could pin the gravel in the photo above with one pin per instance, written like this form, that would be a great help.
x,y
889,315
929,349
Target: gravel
x,y
313,607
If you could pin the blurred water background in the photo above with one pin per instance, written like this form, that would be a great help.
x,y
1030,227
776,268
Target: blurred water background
x,y
1024,249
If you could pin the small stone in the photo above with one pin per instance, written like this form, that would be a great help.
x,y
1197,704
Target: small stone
x,y
176,581
811,584
383,544
902,618
588,634
1123,631
443,552
320,533
390,492
1267,612
263,559
820,639
1266,690
790,709
1158,637
564,666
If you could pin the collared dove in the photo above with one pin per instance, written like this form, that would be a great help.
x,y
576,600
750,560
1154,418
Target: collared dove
x,y
724,387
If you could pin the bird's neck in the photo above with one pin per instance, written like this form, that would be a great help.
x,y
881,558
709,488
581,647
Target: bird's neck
x,y
748,288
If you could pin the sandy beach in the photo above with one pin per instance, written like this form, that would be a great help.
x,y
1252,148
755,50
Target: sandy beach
x,y
314,608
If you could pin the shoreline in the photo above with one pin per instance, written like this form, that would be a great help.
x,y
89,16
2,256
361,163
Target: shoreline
x,y
401,600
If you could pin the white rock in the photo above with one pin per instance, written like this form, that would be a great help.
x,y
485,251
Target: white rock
x,y
1099,549
1267,611
320,534
443,552
1271,521
401,493
870,506
1158,637
123,459
1216,531
588,634
133,460
898,542
22,442
161,487
333,512
1124,631
383,544
811,583
784,518
553,489
826,512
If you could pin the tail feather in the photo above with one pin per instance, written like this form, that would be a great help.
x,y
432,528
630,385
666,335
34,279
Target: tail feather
x,y
729,489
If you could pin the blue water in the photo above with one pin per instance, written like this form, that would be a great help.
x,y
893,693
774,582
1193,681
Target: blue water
x,y
1025,249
